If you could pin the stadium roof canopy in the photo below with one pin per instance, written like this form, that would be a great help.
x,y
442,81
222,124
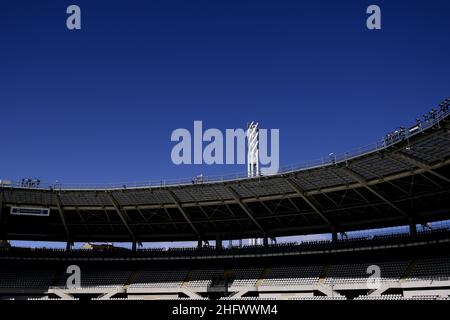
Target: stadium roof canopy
x,y
404,179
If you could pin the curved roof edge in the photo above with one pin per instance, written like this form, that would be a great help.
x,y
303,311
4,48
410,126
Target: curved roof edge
x,y
433,118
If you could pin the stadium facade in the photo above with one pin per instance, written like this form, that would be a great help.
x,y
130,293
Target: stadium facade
x,y
403,179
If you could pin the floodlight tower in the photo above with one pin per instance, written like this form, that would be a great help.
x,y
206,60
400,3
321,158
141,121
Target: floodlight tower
x,y
253,149
253,160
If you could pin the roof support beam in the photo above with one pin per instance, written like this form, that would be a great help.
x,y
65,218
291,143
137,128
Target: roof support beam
x,y
419,163
425,177
83,220
309,201
298,210
232,213
122,218
63,220
183,212
140,213
272,213
246,209
257,198
366,185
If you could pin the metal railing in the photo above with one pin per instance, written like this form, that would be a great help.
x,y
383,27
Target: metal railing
x,y
433,118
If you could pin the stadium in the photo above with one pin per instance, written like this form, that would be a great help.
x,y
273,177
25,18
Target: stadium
x,y
400,184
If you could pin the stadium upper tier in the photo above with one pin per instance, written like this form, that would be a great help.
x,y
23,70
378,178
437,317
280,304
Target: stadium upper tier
x,y
403,179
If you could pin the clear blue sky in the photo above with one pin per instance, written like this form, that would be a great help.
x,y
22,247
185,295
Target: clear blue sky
x,y
99,104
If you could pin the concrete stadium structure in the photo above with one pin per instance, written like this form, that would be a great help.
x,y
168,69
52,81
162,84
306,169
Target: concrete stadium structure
x,y
402,180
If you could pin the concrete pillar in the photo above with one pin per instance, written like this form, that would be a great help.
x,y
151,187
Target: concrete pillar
x,y
218,243
334,236
412,227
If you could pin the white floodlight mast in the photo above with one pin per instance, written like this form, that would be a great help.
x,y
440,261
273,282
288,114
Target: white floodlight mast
x,y
253,149
253,159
